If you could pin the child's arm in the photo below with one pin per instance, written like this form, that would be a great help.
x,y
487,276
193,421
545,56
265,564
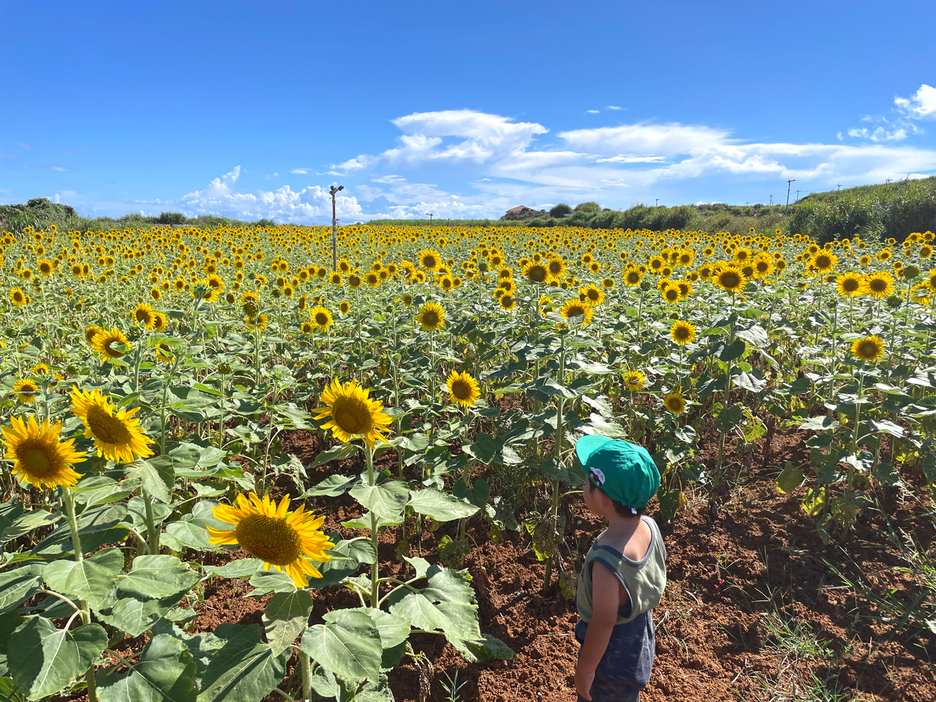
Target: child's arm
x,y
606,600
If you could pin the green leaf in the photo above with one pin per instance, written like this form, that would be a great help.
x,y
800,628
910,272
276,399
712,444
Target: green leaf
x,y
478,494
348,644
9,692
385,500
756,336
164,673
244,669
601,426
439,505
241,568
393,630
90,580
728,419
192,534
135,616
446,605
44,659
825,423
336,453
333,486
273,580
19,584
157,476
485,649
789,479
26,523
9,622
888,428
286,617
481,449
156,577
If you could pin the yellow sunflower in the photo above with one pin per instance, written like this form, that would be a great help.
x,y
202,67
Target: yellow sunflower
x,y
256,323
429,259
675,403
321,318
536,273
591,295
634,381
868,348
38,456
824,261
352,413
104,341
632,278
576,308
26,390
682,333
508,302
344,307
281,539
431,316
91,332
18,297
145,315
116,432
730,279
159,321
849,285
462,388
879,284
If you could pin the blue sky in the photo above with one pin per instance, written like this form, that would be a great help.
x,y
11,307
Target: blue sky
x,y
253,109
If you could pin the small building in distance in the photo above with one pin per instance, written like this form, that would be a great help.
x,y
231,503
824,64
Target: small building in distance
x,y
522,209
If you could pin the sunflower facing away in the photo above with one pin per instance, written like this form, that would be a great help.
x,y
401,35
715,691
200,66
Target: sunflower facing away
x,y
38,456
682,333
104,343
281,539
634,381
868,348
431,316
352,413
116,432
462,388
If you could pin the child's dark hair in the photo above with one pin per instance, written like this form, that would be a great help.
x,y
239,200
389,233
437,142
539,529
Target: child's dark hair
x,y
618,507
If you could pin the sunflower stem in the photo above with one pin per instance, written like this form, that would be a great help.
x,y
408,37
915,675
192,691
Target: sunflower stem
x,y
557,453
69,501
306,664
375,530
152,536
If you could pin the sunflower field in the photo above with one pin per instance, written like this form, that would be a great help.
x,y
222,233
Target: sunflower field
x,y
154,379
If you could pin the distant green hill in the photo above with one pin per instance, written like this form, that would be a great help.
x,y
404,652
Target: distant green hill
x,y
870,211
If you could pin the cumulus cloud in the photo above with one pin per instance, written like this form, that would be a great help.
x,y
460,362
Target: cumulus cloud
x,y
300,171
307,205
592,112
920,105
614,107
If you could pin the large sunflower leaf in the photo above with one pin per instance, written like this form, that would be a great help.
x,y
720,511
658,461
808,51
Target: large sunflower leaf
x,y
244,669
164,673
44,659
19,584
385,500
439,505
447,605
91,579
285,618
347,644
135,616
156,577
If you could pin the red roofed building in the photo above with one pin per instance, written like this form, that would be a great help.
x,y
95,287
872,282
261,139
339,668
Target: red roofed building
x,y
521,208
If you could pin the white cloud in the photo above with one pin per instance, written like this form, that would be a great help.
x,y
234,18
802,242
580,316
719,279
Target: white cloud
x,y
300,171
351,165
271,176
592,112
613,107
367,193
879,134
284,204
631,158
921,105
60,169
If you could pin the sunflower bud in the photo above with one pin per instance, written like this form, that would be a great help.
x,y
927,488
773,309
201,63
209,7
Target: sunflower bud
x,y
910,272
894,302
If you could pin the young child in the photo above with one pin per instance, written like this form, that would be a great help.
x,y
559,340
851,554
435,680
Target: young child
x,y
624,573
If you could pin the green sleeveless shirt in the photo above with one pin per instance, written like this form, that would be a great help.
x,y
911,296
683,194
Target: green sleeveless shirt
x,y
644,580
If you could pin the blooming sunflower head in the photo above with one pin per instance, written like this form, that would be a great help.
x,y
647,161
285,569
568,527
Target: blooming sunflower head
x,y
116,432
879,284
26,390
144,315
462,388
730,279
287,541
868,348
573,309
634,381
675,403
682,333
321,318
18,297
536,273
591,295
849,285
351,413
38,456
431,316
110,344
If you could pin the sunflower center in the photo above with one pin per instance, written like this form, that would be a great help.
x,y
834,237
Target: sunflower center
x,y
878,284
430,318
851,284
537,274
107,428
576,311
868,349
321,319
730,280
352,415
555,267
461,390
36,461
270,539
681,333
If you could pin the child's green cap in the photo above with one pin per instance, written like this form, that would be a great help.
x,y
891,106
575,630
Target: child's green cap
x,y
621,470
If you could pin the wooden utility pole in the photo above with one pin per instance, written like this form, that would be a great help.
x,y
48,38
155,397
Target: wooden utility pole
x,y
788,183
333,191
